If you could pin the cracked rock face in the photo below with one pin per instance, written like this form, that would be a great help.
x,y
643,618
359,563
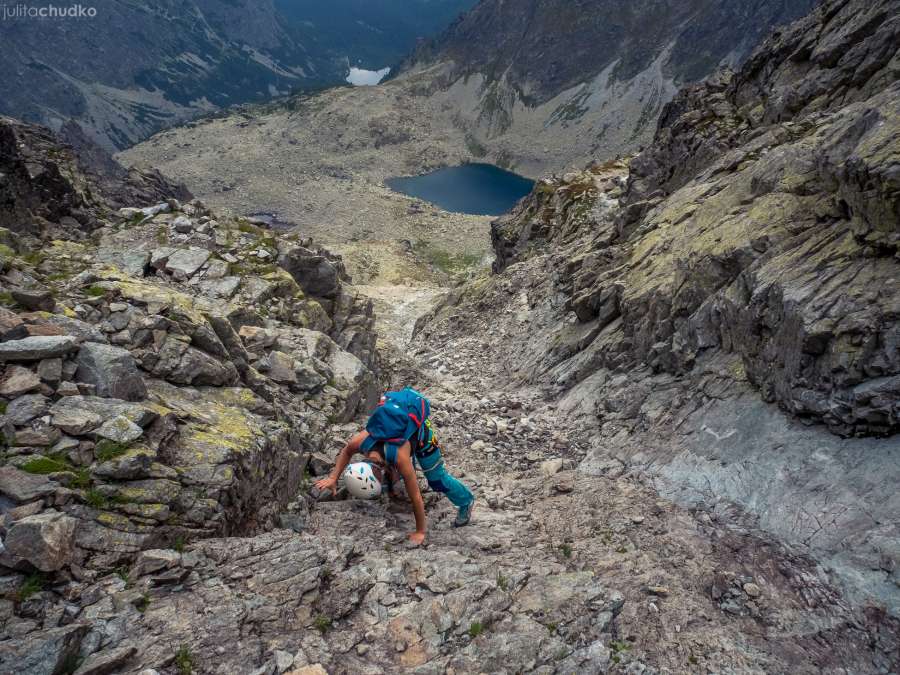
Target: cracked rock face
x,y
722,309
135,415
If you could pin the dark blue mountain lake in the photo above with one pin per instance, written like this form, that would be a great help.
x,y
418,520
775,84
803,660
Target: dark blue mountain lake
x,y
477,189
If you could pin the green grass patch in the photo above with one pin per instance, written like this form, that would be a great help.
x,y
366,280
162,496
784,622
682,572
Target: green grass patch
x,y
3,406
178,544
444,260
82,479
322,624
566,550
476,629
617,647
96,499
44,465
95,291
249,228
162,235
143,603
33,258
122,573
7,300
58,463
34,583
502,582
184,660
107,450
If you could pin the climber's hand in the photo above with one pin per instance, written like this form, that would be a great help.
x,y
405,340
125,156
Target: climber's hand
x,y
416,538
328,483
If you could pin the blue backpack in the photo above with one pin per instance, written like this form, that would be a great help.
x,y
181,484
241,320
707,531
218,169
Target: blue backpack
x,y
399,417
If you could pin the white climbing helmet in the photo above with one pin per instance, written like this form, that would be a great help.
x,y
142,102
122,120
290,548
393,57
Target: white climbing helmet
x,y
361,481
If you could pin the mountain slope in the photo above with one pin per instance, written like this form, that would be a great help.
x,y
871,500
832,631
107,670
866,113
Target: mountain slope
x,y
370,33
722,311
137,67
584,78
172,381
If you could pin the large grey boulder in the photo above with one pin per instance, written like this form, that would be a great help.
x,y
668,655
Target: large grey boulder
x,y
112,370
107,661
185,262
79,415
120,429
43,653
24,487
25,408
36,298
80,330
17,381
132,262
182,364
37,347
316,274
45,540
11,325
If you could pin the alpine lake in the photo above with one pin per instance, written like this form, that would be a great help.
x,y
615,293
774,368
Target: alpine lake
x,y
476,189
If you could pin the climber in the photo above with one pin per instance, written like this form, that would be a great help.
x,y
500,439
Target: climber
x,y
399,434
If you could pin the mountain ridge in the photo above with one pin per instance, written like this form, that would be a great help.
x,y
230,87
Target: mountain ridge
x,y
136,69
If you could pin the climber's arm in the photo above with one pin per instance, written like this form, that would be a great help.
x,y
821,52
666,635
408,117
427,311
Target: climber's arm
x,y
408,471
343,459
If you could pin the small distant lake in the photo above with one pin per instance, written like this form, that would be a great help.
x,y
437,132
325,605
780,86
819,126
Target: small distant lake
x,y
476,189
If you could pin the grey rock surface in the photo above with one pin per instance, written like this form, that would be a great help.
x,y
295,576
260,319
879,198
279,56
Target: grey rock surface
x,y
112,370
35,348
45,540
23,487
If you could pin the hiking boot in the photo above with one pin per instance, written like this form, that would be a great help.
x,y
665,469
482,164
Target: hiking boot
x,y
464,515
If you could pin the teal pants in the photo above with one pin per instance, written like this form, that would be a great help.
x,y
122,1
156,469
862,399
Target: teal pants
x,y
440,480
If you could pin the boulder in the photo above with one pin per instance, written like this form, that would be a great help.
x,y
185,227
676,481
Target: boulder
x,y
316,274
41,437
120,429
45,540
160,256
50,371
11,326
107,661
25,408
153,561
23,487
134,464
36,348
79,415
183,225
308,379
185,262
17,381
182,364
80,330
37,298
112,370
282,368
43,653
132,262
224,288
